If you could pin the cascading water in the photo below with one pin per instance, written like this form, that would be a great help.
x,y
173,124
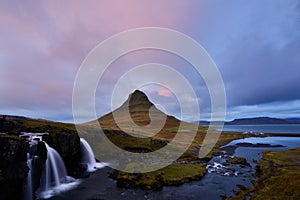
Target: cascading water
x,y
55,173
88,156
29,190
54,179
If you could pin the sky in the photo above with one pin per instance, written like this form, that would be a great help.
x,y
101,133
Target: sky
x,y
255,45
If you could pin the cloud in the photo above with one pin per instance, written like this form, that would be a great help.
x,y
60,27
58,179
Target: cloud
x,y
255,46
43,44
275,109
164,92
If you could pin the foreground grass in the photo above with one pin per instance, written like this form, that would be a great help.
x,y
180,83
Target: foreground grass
x,y
187,168
279,178
175,174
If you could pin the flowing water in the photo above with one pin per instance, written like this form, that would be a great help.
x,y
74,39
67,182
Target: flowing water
x,y
29,190
54,178
88,157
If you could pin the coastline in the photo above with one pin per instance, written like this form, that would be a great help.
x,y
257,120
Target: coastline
x,y
277,176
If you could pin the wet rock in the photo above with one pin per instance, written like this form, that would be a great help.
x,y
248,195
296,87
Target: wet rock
x,y
81,171
38,154
67,144
237,161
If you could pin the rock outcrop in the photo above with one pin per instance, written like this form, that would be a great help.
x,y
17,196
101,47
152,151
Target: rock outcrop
x,y
237,161
13,166
67,144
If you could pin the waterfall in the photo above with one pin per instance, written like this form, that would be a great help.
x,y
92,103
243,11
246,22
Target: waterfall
x,y
29,190
56,172
54,179
88,157
50,175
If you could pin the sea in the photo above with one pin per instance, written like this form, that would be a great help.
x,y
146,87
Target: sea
x,y
264,128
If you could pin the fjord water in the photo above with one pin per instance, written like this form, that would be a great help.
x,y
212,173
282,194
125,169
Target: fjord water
x,y
265,128
255,153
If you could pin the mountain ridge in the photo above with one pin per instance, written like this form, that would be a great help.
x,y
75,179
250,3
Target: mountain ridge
x,y
257,121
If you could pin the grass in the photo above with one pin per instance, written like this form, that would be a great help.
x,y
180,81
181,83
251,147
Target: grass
x,y
174,174
22,124
128,142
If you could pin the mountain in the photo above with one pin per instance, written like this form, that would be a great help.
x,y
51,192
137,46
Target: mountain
x,y
139,107
294,120
258,120
202,122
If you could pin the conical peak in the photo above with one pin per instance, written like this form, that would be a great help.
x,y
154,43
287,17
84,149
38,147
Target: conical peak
x,y
138,93
139,97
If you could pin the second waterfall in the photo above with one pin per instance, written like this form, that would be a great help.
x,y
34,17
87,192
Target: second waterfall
x,y
88,157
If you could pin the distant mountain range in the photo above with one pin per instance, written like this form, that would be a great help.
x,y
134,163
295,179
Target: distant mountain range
x,y
258,120
293,120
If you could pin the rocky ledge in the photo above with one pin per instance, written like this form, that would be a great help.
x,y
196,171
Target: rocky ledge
x,y
13,166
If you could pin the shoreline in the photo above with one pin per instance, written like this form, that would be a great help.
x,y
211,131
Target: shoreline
x,y
231,149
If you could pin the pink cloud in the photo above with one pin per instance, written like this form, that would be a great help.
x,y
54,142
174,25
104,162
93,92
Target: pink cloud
x,y
164,92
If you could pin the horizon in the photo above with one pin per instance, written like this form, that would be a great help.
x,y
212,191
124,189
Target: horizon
x,y
198,121
43,45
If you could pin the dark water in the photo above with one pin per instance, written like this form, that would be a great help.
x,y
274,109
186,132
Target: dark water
x,y
265,128
220,179
251,153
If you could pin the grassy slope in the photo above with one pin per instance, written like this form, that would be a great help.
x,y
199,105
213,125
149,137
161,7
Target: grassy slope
x,y
280,177
22,124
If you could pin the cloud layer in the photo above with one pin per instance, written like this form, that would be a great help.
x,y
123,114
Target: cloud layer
x,y
255,46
